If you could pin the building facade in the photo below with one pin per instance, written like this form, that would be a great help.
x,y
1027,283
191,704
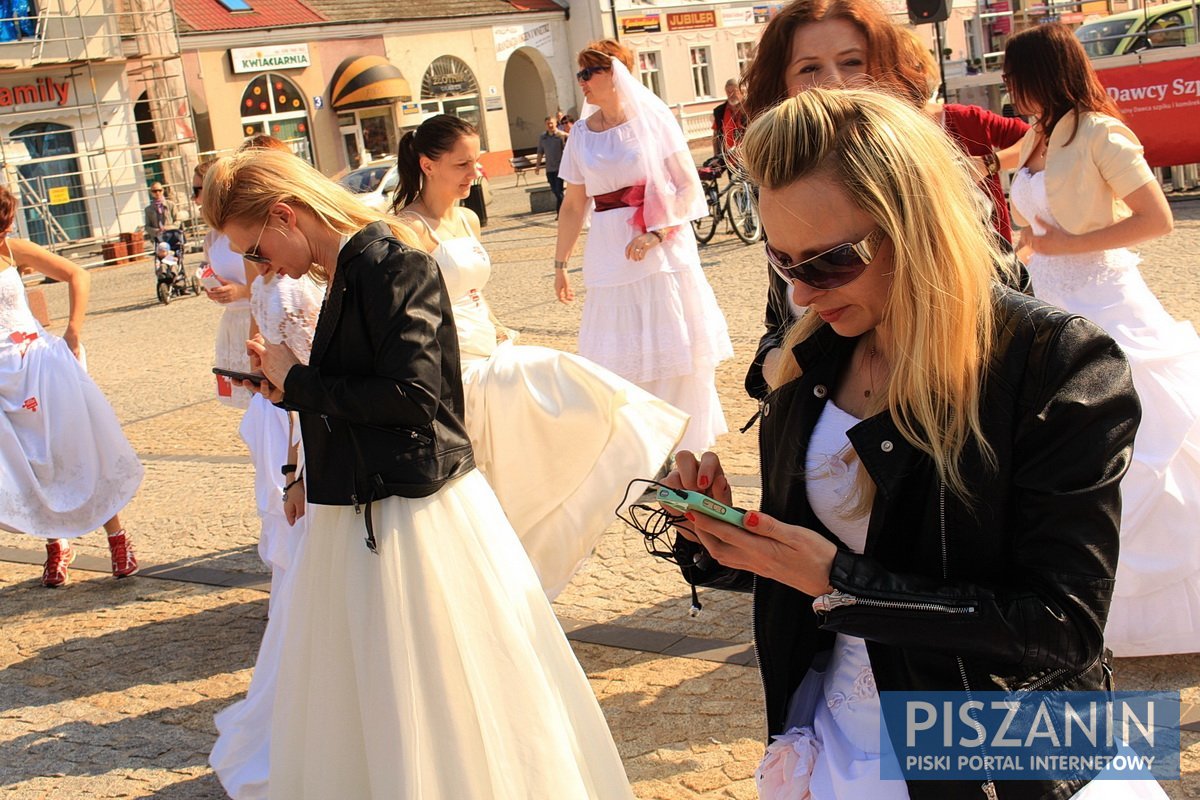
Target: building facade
x,y
343,84
92,109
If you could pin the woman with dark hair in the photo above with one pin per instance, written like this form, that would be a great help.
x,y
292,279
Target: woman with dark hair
x,y
836,43
650,314
66,467
1087,194
419,658
557,436
940,464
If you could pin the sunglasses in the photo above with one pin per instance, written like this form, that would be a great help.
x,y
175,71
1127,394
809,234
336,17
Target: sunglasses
x,y
831,269
584,75
252,255
196,190
156,191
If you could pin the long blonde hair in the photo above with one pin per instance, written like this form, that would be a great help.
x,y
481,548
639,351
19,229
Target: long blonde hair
x,y
902,170
246,185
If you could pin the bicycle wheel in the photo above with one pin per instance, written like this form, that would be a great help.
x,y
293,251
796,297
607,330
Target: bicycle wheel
x,y
743,213
706,226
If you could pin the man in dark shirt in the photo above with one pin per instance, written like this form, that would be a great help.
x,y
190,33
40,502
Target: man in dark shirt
x,y
550,150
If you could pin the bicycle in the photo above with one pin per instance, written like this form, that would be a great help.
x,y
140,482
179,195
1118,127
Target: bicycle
x,y
735,202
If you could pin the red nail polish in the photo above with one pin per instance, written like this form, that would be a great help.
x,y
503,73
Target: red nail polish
x,y
690,516
703,481
752,519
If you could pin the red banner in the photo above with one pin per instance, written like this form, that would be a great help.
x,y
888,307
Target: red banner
x,y
1161,103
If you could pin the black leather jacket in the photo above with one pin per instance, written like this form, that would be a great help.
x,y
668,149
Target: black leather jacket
x,y
1008,592
381,400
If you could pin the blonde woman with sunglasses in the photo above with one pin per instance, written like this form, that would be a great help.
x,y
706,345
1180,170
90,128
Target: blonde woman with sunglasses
x,y
419,658
941,462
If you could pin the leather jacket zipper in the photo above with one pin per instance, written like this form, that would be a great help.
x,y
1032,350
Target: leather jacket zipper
x,y
988,787
837,598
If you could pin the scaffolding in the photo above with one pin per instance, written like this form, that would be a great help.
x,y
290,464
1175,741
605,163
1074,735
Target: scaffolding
x,y
108,115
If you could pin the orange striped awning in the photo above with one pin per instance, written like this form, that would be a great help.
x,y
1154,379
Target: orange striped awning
x,y
362,81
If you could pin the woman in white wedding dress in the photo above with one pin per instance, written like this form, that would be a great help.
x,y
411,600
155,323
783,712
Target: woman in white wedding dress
x,y
650,315
424,662
1086,193
66,467
558,437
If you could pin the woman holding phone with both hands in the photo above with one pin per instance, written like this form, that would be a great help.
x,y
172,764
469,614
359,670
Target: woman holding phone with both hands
x,y
936,438
420,658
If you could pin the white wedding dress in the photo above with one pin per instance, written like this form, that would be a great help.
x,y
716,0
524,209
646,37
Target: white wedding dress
x,y
1156,602
654,322
433,670
66,467
558,437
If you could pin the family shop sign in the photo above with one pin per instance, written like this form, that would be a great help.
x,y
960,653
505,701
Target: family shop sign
x,y
40,92
1160,102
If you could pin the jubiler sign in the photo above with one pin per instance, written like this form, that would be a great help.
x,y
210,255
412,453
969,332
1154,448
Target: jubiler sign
x,y
261,59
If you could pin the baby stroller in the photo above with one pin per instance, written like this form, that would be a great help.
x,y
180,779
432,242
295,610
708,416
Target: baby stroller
x,y
173,280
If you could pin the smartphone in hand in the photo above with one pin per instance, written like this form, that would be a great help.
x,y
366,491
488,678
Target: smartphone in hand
x,y
683,501
252,378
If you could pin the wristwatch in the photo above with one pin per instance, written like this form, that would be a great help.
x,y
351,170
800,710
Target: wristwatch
x,y
992,162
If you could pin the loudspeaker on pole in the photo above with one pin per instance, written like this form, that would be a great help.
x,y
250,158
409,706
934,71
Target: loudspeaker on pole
x,y
922,11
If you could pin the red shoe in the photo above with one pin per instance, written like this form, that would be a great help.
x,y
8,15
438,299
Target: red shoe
x,y
124,562
59,555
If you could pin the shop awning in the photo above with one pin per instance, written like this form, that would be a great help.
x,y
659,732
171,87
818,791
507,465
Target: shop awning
x,y
362,81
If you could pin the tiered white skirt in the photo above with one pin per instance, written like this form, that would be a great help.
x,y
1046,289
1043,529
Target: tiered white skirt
x,y
65,464
665,333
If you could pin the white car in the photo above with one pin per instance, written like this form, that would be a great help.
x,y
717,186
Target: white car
x,y
375,183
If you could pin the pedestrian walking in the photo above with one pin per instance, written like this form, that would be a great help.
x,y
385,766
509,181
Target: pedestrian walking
x,y
650,314
420,657
557,437
66,467
1087,194
549,150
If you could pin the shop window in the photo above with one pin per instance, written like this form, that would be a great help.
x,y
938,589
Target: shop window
x,y
273,105
451,83
18,20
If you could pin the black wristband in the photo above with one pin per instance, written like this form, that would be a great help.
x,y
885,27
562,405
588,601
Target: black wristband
x,y
288,468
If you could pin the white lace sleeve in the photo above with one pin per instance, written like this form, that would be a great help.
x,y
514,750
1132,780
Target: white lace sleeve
x,y
286,310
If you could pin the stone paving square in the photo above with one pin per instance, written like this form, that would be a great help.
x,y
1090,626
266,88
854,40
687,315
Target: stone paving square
x,y
107,688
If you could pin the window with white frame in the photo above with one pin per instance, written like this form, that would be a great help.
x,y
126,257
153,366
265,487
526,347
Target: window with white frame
x,y
702,80
745,53
649,72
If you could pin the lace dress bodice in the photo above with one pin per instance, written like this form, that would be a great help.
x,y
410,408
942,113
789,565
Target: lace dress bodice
x,y
286,310
15,316
1067,280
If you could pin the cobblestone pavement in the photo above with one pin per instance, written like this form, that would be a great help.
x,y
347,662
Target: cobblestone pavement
x,y
107,689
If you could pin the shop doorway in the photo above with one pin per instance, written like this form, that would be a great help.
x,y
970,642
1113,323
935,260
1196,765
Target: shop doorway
x,y
368,134
530,95
50,184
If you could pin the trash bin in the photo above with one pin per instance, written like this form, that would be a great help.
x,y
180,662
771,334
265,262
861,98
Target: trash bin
x,y
476,203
